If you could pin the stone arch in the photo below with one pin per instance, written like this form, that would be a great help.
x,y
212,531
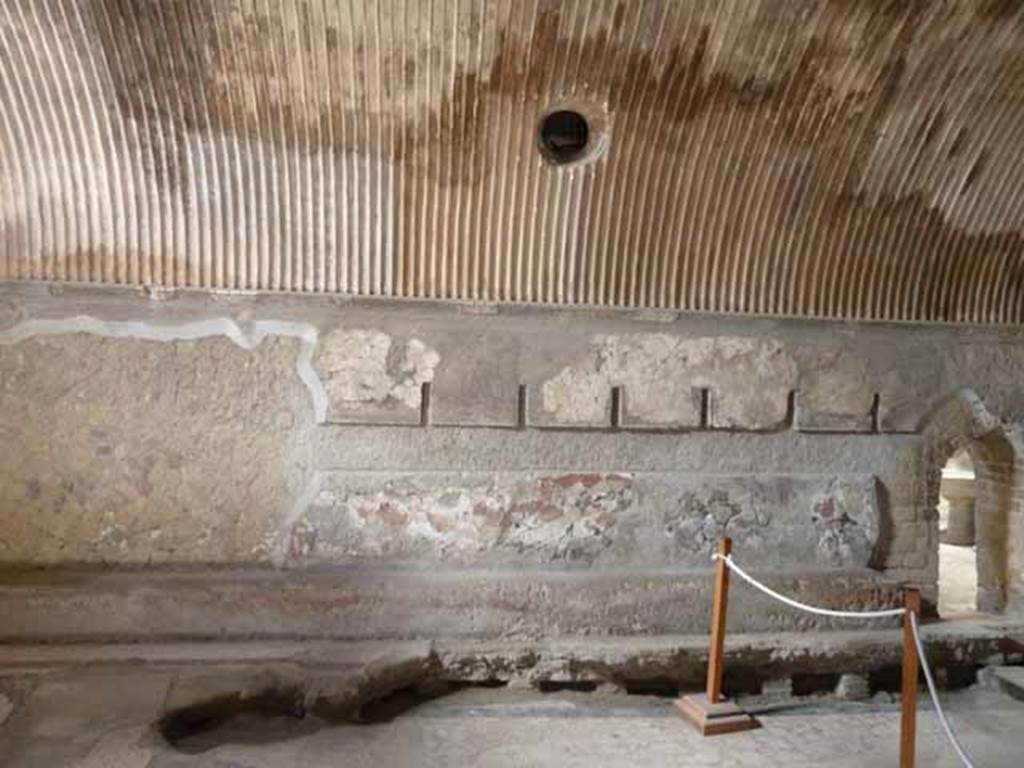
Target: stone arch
x,y
964,423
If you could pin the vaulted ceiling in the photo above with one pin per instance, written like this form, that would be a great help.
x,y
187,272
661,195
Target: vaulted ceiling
x,y
828,158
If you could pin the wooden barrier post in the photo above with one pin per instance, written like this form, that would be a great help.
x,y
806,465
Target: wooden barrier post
x,y
718,612
908,686
710,712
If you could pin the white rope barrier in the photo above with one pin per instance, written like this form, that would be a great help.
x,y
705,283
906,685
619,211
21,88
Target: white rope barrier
x,y
803,606
935,696
865,615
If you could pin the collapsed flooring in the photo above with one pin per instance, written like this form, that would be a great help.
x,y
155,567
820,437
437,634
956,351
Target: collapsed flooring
x,y
351,674
680,658
118,716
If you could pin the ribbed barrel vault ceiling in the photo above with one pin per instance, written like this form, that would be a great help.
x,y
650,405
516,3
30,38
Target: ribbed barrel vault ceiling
x,y
840,158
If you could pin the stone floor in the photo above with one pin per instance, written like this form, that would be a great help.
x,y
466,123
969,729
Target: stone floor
x,y
958,580
103,719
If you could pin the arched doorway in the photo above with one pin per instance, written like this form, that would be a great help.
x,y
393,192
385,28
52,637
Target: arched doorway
x,y
958,566
963,439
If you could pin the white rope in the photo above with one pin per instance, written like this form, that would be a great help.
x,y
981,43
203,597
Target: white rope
x,y
865,615
803,606
935,696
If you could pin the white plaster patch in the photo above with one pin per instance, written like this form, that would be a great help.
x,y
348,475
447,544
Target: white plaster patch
x,y
367,367
248,338
751,378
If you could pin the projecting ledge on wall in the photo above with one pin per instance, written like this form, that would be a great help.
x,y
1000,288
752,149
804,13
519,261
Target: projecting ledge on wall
x,y
702,411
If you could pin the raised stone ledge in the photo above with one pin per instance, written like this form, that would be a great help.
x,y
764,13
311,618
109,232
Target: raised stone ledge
x,y
389,604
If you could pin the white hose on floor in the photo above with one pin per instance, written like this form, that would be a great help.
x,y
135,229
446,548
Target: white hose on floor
x,y
919,646
803,606
935,696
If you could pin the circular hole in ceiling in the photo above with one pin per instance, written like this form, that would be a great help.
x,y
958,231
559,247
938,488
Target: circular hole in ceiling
x,y
564,136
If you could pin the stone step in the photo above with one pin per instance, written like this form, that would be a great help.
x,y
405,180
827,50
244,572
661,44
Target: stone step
x,y
1011,680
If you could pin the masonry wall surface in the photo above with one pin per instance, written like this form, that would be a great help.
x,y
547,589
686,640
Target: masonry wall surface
x,y
424,469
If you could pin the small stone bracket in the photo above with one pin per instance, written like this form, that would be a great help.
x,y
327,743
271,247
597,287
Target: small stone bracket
x,y
425,404
522,407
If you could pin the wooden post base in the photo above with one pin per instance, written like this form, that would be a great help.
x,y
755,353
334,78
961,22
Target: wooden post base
x,y
714,719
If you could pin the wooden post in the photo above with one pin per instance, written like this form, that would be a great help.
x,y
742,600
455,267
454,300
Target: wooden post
x,y
709,711
718,613
908,688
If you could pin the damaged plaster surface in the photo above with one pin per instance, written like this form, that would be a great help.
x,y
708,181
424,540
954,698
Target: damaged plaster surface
x,y
247,337
106,396
138,443
589,519
466,517
660,374
832,522
364,369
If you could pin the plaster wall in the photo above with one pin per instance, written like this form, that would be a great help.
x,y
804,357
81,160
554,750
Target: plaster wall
x,y
424,469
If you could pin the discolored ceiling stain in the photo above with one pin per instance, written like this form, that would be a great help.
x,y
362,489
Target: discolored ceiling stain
x,y
829,158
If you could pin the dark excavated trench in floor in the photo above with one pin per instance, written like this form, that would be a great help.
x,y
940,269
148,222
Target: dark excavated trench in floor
x,y
275,715
267,717
286,713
